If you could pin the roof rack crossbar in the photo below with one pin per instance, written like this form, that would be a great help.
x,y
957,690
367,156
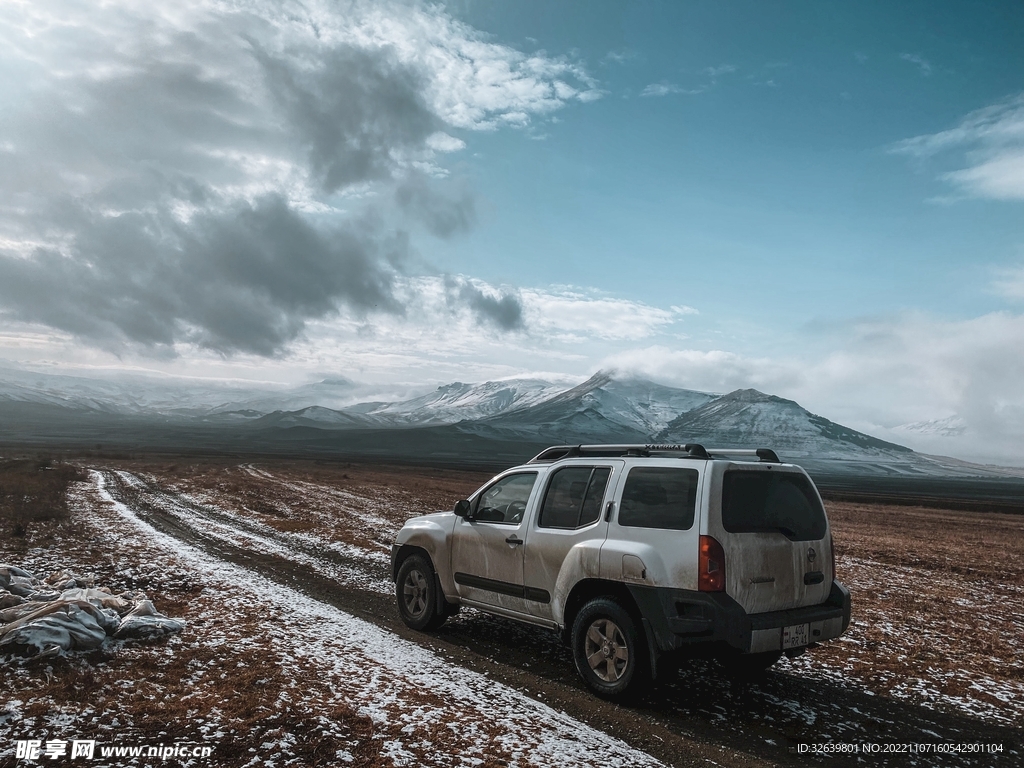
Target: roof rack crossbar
x,y
763,454
687,450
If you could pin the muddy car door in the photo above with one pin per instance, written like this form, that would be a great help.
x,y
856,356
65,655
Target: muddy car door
x,y
565,536
487,544
653,536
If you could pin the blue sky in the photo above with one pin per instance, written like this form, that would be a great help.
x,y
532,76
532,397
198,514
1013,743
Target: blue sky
x,y
772,195
821,200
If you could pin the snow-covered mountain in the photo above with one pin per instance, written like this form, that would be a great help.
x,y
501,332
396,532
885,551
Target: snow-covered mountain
x,y
126,394
748,418
149,394
951,426
313,416
603,408
456,402
608,407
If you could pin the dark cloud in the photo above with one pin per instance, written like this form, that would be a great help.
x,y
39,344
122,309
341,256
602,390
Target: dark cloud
x,y
244,280
133,174
504,311
443,215
353,112
224,177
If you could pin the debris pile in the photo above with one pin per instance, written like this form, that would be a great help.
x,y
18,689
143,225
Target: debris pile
x,y
68,613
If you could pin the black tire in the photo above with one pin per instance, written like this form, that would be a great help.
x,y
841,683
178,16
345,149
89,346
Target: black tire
x,y
750,666
416,593
609,652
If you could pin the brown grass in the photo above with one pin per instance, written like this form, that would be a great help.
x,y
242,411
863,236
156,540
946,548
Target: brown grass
x,y
33,490
938,599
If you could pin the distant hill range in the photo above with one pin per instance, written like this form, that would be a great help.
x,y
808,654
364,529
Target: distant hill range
x,y
496,422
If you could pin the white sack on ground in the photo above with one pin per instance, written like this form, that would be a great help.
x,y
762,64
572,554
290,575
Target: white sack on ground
x,y
66,613
145,623
9,571
122,603
73,625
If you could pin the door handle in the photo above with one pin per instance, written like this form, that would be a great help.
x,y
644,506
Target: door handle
x,y
513,541
608,511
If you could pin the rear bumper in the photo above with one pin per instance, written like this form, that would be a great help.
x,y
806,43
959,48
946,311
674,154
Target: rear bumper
x,y
679,618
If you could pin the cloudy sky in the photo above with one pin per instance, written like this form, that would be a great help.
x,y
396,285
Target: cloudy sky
x,y
822,200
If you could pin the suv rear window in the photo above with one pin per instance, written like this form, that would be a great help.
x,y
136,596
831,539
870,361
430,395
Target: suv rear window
x,y
659,497
754,502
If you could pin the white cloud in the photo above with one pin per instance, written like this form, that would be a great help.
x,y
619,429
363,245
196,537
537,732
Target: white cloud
x,y
660,89
1009,283
922,64
442,142
1001,177
574,313
706,370
992,140
451,327
620,57
665,89
684,310
920,368
724,69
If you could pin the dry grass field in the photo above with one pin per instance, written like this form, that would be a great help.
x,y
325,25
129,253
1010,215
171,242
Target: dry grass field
x,y
293,654
939,602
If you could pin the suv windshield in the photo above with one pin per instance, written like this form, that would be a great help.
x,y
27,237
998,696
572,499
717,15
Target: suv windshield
x,y
754,502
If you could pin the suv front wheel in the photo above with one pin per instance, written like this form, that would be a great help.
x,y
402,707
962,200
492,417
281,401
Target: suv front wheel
x,y
607,649
416,590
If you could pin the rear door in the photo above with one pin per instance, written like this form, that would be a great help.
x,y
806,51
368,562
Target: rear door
x,y
653,536
570,514
771,524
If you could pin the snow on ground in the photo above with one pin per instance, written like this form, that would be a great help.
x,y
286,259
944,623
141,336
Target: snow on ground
x,y
907,623
910,658
409,692
219,523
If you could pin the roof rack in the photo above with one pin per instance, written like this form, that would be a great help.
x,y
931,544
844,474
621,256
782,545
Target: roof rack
x,y
762,454
683,451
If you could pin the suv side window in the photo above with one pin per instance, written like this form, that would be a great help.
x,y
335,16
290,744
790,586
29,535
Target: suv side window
x,y
505,501
573,498
659,497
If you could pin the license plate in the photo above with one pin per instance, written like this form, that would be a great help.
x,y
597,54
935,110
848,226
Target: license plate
x,y
796,636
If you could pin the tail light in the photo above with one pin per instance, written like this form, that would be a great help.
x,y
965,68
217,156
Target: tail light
x,y
711,561
832,553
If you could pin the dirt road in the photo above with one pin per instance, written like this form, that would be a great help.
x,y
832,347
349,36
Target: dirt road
x,y
700,715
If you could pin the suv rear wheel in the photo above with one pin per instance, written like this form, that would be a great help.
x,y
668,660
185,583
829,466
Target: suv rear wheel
x,y
608,649
416,590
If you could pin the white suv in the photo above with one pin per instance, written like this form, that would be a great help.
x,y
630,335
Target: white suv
x,y
636,554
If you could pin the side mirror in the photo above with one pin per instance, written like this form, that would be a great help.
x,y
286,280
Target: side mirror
x,y
463,509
